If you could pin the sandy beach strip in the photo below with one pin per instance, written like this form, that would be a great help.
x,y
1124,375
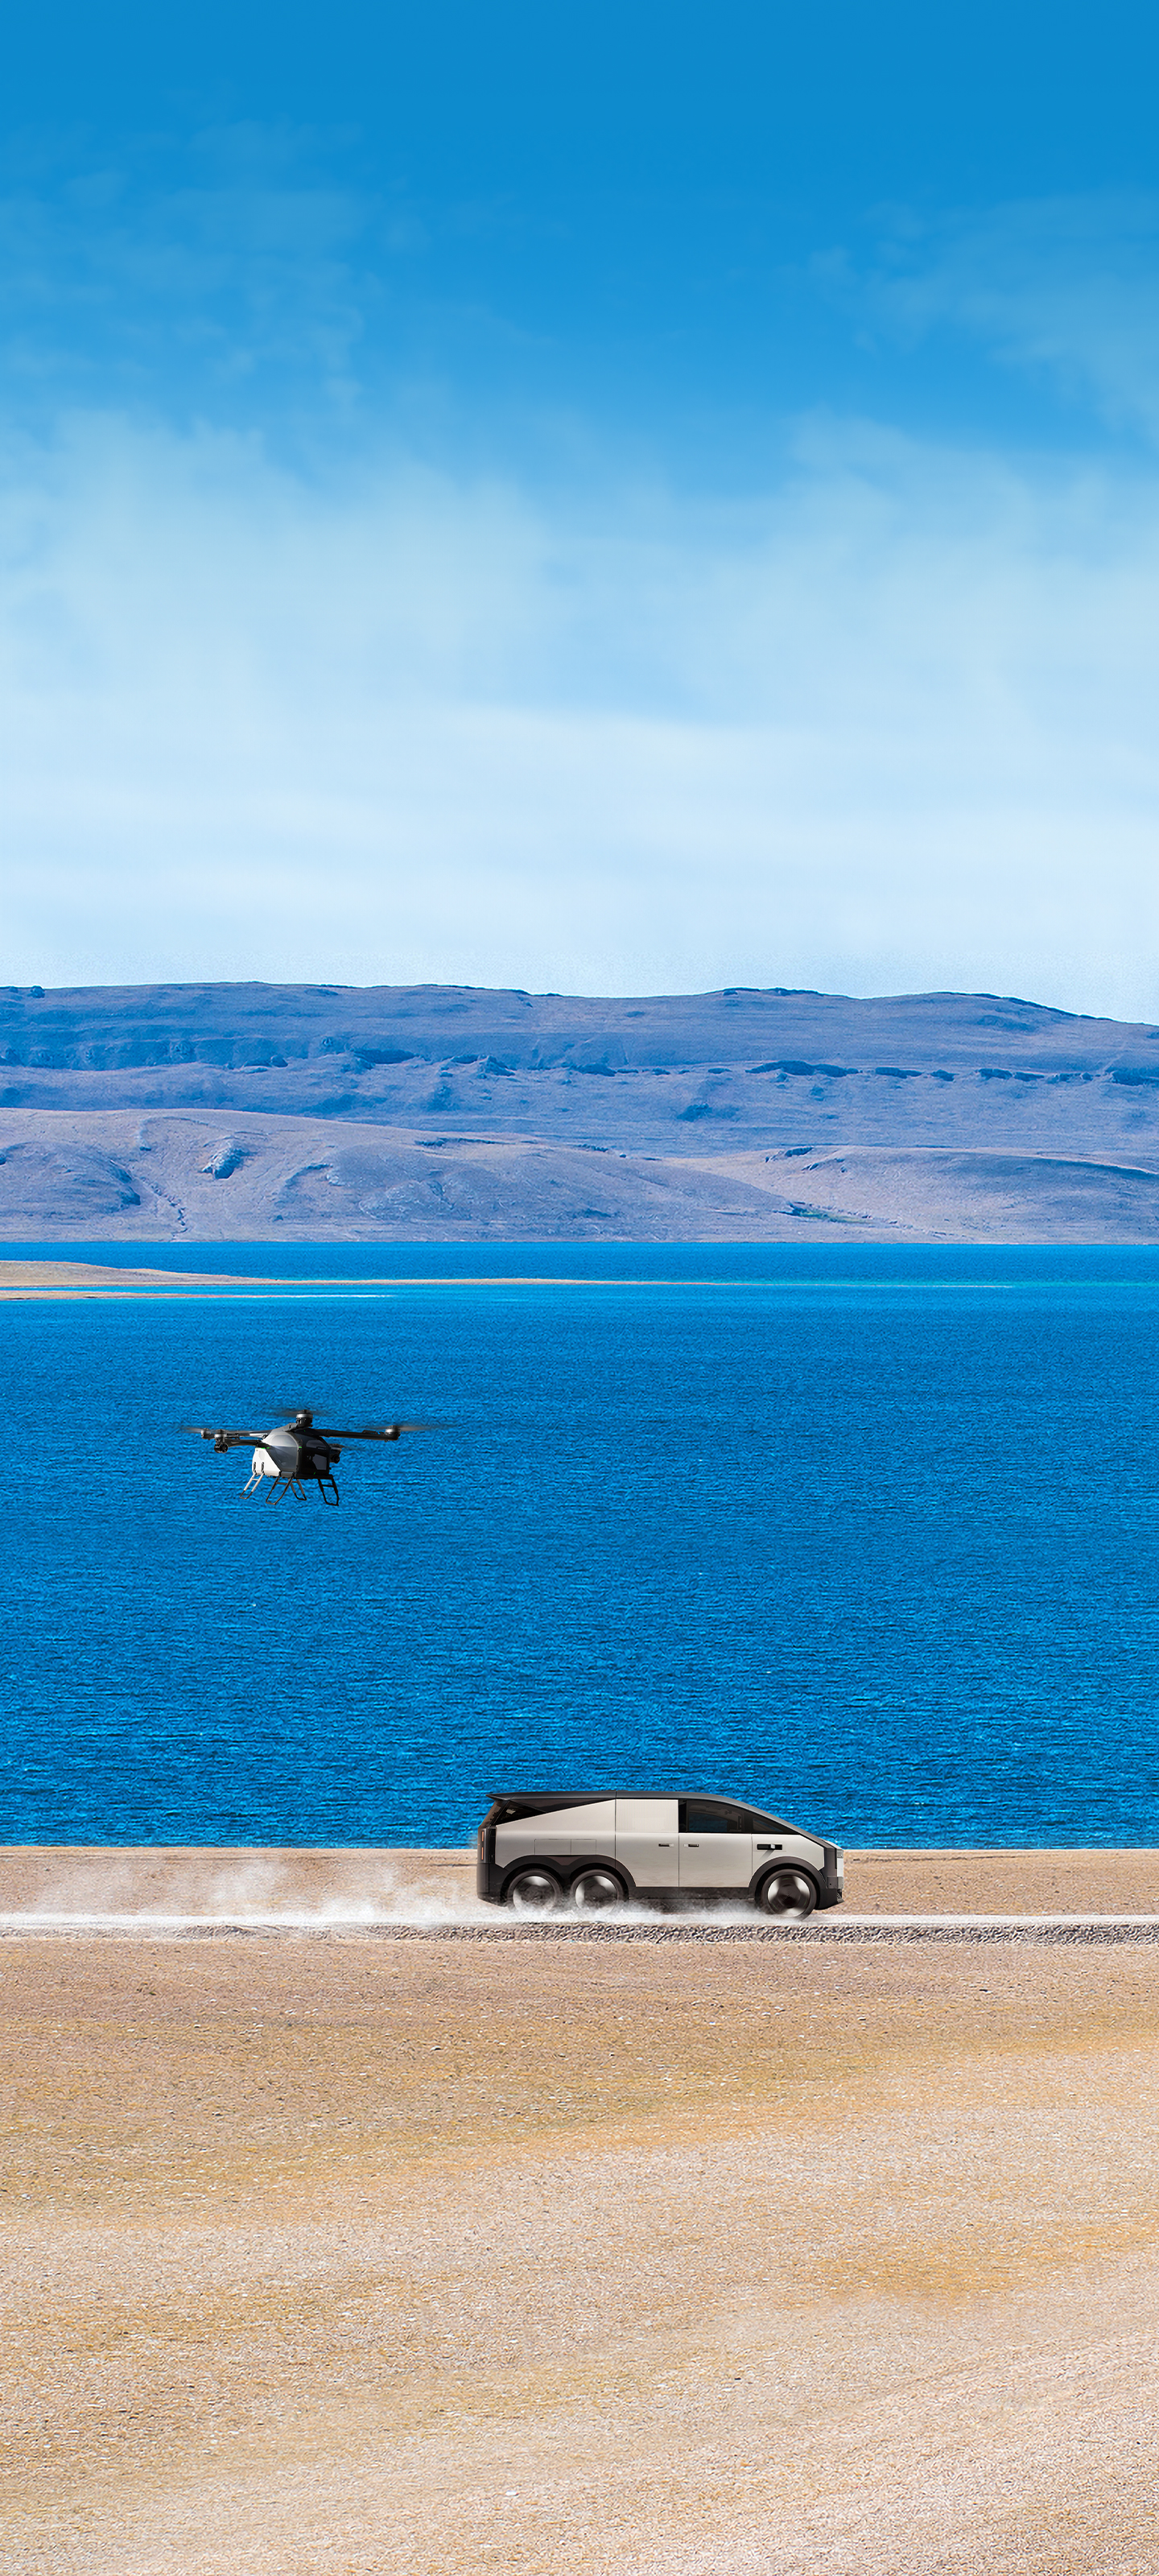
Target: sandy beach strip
x,y
669,2259
22,1280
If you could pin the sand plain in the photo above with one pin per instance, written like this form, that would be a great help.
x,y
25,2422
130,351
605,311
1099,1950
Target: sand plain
x,y
366,2254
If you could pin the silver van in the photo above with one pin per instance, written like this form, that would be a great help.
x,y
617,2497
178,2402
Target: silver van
x,y
542,1850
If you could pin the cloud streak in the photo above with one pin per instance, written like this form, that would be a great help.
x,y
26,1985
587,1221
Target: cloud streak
x,y
888,726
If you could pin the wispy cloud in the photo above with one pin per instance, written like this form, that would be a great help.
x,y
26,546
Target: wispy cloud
x,y
178,273
890,725
1065,288
251,275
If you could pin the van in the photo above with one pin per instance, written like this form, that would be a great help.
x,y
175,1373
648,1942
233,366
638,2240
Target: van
x,y
543,1850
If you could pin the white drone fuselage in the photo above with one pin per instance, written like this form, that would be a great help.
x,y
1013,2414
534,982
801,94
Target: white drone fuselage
x,y
290,1456
286,1452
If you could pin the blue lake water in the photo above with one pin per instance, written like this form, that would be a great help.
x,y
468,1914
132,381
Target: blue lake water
x,y
867,1535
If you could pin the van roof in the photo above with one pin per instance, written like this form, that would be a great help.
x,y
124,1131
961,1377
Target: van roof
x,y
588,1797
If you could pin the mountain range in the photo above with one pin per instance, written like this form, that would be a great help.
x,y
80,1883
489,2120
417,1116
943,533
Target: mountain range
x,y
426,1112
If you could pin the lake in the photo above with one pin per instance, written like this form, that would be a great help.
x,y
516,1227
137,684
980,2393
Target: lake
x,y
864,1534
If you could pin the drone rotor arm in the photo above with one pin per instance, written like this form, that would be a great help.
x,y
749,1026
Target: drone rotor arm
x,y
389,1431
225,1439
377,1431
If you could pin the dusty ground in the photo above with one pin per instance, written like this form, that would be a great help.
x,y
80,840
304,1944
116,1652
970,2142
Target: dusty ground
x,y
368,1884
372,2255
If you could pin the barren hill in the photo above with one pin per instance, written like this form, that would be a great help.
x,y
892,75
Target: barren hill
x,y
412,1112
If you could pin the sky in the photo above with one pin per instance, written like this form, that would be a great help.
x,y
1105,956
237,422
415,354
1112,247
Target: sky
x,y
595,499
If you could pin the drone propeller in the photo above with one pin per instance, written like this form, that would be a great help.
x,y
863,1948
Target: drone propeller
x,y
275,1417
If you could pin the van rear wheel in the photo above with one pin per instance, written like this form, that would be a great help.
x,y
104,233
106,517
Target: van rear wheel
x,y
788,1895
535,1891
595,1890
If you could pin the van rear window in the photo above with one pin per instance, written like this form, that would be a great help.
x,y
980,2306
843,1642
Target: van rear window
x,y
511,1811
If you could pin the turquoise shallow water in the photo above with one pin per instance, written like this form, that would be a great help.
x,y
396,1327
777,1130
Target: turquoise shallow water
x,y
865,1535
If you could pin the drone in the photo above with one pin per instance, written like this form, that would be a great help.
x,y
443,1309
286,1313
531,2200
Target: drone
x,y
294,1454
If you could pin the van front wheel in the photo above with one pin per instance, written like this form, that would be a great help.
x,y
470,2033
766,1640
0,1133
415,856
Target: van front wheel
x,y
788,1895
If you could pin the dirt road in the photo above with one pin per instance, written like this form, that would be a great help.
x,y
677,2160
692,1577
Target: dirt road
x,y
325,1883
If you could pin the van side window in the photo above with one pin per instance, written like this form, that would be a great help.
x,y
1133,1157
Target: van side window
x,y
708,1816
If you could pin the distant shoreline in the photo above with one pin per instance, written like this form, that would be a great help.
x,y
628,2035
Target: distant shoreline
x,y
24,1280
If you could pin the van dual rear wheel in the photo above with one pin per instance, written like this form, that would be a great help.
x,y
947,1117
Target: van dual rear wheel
x,y
535,1891
595,1890
787,1894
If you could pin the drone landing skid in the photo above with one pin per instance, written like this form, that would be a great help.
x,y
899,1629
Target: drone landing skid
x,y
279,1486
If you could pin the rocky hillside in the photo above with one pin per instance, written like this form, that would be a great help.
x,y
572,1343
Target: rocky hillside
x,y
425,1111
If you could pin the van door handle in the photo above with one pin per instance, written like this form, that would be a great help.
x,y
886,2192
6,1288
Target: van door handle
x,y
664,1846
694,1846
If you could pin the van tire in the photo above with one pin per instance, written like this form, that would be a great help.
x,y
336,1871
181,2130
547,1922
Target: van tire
x,y
596,1891
533,1891
787,1895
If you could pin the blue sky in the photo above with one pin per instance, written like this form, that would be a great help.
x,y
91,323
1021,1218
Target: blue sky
x,y
604,499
